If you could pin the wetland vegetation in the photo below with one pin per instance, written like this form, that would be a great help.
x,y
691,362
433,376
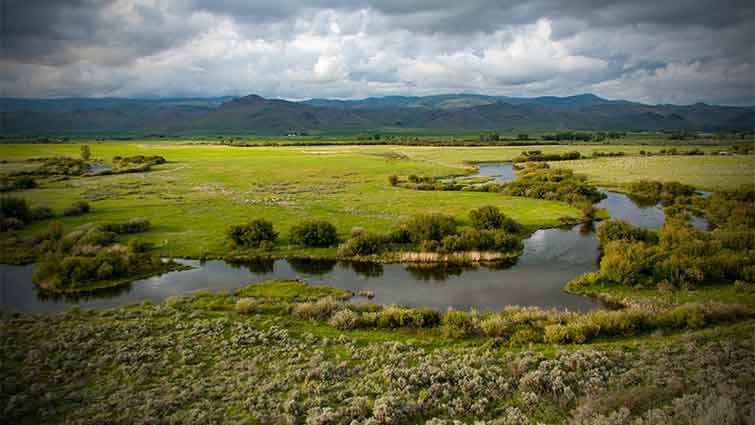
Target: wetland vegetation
x,y
668,341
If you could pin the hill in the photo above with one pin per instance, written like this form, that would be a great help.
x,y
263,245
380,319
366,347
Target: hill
x,y
257,115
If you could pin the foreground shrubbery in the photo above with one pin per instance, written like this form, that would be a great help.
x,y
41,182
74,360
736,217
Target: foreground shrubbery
x,y
516,326
178,364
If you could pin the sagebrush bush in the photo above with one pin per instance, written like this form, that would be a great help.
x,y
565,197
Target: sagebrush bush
x,y
252,234
457,324
344,320
314,233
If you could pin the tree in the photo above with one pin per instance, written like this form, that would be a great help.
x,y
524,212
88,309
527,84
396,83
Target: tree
x,y
85,152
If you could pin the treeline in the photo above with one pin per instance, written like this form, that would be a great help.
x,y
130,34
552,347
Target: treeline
x,y
438,233
539,156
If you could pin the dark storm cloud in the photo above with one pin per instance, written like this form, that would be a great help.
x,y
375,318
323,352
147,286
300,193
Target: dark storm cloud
x,y
678,51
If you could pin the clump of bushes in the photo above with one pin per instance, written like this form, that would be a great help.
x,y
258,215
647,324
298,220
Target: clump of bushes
x,y
538,180
362,243
75,261
15,213
314,233
482,240
9,183
254,234
491,218
76,209
653,192
425,227
133,225
538,156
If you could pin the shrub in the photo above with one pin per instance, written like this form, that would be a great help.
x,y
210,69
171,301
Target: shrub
x,y
457,324
430,227
14,207
85,152
252,234
135,225
490,217
362,244
76,209
10,223
246,306
393,179
525,336
317,233
41,212
399,234
320,309
344,320
105,271
494,325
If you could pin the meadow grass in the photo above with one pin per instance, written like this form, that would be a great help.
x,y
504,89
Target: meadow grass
x,y
202,189
703,172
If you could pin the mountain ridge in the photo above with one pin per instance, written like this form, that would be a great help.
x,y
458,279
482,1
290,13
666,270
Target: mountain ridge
x,y
256,114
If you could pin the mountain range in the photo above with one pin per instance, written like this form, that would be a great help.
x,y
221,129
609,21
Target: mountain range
x,y
257,115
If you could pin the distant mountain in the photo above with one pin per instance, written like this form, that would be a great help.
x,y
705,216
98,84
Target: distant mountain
x,y
461,101
256,115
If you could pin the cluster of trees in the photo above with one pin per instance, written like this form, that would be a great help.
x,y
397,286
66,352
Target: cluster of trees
x,y
16,212
492,231
537,156
680,256
91,253
542,182
652,192
11,183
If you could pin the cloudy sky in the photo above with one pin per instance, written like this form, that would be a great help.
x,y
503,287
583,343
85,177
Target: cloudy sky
x,y
658,51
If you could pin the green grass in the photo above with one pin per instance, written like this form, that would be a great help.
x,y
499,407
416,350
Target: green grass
x,y
703,172
202,189
291,291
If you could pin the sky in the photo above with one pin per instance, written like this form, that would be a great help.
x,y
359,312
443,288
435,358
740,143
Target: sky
x,y
680,52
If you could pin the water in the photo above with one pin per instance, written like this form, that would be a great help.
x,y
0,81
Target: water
x,y
501,173
99,168
551,258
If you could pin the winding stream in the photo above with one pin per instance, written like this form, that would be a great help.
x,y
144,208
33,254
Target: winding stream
x,y
551,258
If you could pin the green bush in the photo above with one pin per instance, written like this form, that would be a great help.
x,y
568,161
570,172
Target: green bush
x,y
362,244
76,209
10,223
457,324
252,234
491,218
14,207
393,179
344,320
435,227
41,212
316,233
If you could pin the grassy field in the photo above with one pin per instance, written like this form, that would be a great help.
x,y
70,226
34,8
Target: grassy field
x,y
202,189
703,172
